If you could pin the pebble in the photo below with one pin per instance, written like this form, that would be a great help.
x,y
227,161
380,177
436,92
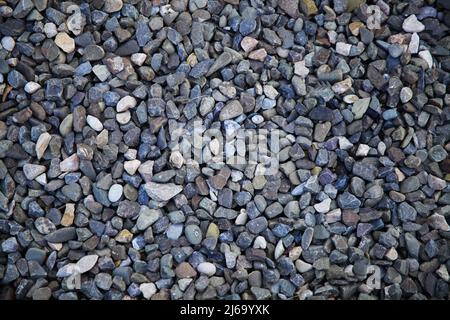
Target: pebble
x,y
126,103
207,268
94,123
411,24
102,173
115,192
65,42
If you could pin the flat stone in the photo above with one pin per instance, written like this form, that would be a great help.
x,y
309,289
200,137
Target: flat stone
x,y
162,192
31,171
65,42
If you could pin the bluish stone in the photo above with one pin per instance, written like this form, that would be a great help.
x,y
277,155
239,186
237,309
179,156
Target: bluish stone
x,y
287,91
143,33
143,197
247,26
326,177
83,69
234,23
138,242
301,38
342,183
97,227
390,114
280,230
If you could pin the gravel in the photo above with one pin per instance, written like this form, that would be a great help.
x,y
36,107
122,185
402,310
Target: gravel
x,y
106,192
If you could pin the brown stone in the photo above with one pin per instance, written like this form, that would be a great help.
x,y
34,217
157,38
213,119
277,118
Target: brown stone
x,y
185,270
350,218
69,215
220,180
308,7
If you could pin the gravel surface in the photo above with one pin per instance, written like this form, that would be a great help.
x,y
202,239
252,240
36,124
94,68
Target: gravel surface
x,y
107,191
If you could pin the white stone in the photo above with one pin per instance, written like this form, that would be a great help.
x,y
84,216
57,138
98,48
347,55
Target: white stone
x,y
426,55
323,206
406,94
86,263
411,24
443,273
138,58
391,254
31,87
42,179
260,243
279,250
65,42
31,171
214,146
363,150
94,123
300,69
206,268
302,266
127,102
295,253
50,30
130,154
123,117
70,164
148,290
101,71
131,166
115,192
270,92
343,48
257,119
381,147
184,283
241,219
344,144
413,46
176,159
42,144
8,43
249,43
76,22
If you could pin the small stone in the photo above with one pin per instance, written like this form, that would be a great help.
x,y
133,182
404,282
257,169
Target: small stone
x,y
8,43
426,55
42,144
31,171
115,192
126,103
148,289
324,206
69,215
411,24
207,268
70,164
86,263
308,7
343,48
94,123
193,234
31,87
231,110
258,55
111,6
131,166
406,94
248,44
65,42
360,107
